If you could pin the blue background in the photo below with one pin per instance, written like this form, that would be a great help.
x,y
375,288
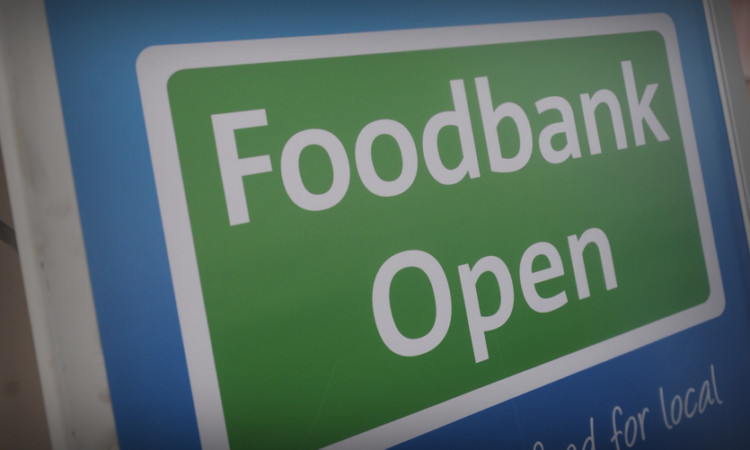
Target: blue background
x,y
95,45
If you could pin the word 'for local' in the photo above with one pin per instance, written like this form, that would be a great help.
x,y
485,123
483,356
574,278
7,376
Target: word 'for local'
x,y
629,426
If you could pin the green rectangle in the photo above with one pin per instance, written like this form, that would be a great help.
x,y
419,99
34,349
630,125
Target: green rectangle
x,y
288,291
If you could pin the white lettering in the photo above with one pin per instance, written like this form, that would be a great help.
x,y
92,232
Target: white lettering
x,y
469,276
479,324
530,278
231,166
381,303
363,157
589,105
567,127
577,246
640,109
292,178
491,118
460,119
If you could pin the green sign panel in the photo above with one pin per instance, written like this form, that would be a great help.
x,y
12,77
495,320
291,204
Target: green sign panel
x,y
373,235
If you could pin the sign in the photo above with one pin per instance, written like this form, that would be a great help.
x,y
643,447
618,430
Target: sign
x,y
373,235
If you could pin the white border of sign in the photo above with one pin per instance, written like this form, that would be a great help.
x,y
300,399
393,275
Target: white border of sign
x,y
157,64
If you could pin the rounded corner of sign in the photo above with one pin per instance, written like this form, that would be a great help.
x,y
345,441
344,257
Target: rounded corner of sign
x,y
664,25
152,62
719,305
147,58
716,302
171,75
716,299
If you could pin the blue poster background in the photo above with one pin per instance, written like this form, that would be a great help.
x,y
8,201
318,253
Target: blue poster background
x,y
95,46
